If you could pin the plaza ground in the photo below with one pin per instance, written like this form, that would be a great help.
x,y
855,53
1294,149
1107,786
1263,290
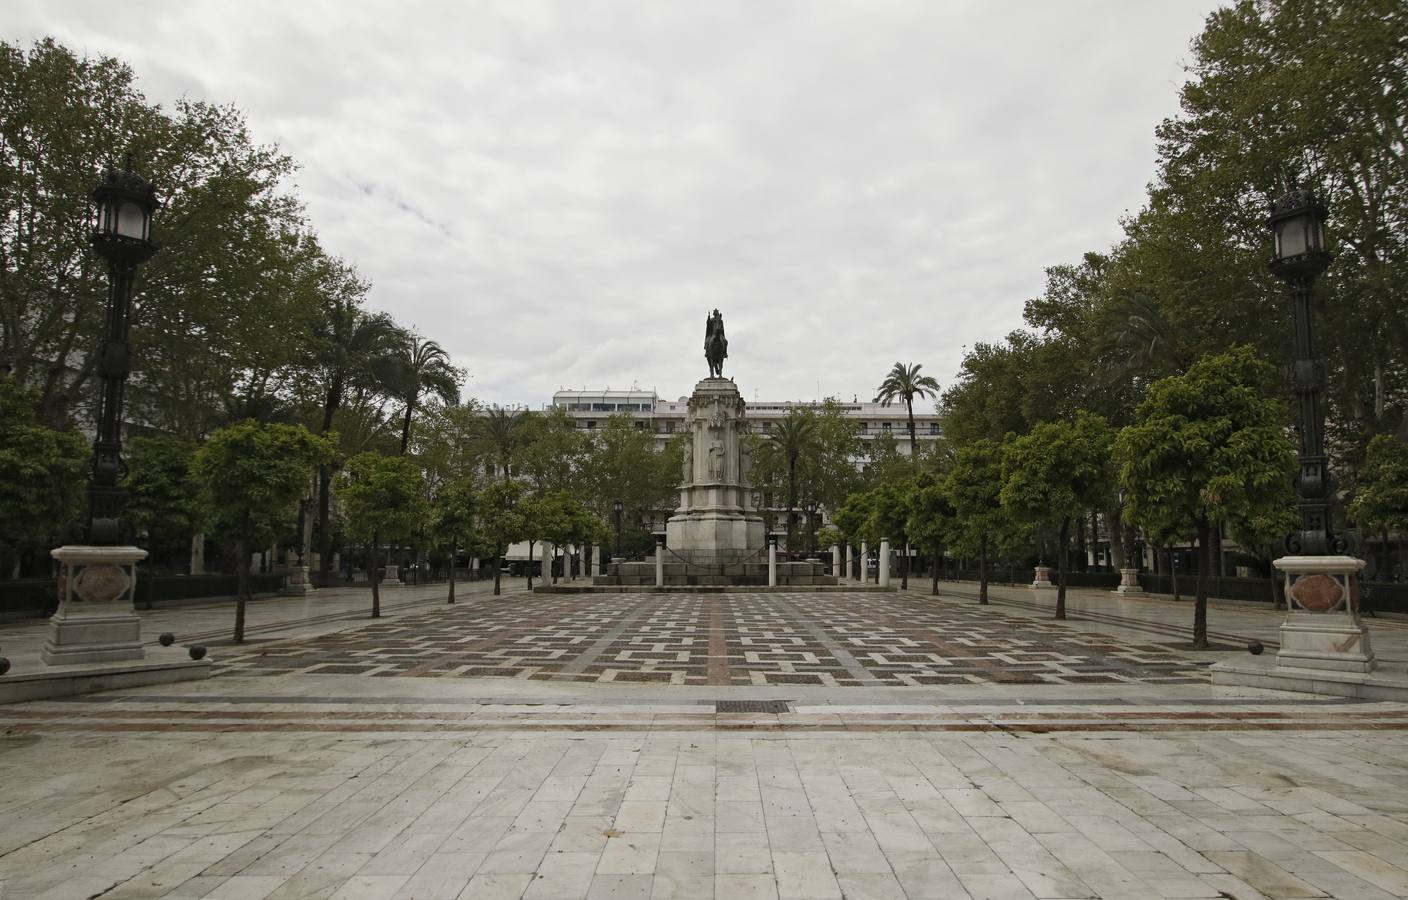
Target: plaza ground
x,y
720,745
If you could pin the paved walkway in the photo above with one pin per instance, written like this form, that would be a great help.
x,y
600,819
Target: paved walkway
x,y
283,781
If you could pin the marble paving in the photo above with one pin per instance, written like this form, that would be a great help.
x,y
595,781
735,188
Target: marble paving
x,y
813,746
833,639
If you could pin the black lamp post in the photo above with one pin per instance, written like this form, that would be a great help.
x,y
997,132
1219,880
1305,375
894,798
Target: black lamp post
x,y
124,203
618,507
1297,224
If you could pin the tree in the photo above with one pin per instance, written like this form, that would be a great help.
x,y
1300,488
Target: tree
x,y
500,437
905,383
889,519
250,476
348,345
1054,474
794,436
41,476
500,521
624,464
931,517
419,368
382,497
1206,448
162,498
853,519
454,518
1381,490
974,490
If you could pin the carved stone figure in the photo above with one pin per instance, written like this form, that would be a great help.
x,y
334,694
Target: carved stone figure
x,y
716,461
689,460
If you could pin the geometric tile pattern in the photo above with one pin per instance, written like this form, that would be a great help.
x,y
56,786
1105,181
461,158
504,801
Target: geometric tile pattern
x,y
833,639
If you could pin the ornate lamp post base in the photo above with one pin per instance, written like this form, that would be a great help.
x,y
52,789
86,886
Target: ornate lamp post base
x,y
1129,585
299,583
1322,628
1042,579
96,621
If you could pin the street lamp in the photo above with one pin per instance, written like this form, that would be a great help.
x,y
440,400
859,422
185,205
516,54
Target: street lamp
x,y
123,206
617,507
1297,224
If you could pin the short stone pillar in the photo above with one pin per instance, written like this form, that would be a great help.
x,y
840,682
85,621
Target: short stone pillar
x,y
95,621
864,562
772,560
1043,578
884,579
1322,629
850,561
836,560
1129,585
659,562
393,574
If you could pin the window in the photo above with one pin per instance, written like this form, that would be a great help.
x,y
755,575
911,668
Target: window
x,y
887,426
767,426
670,427
591,423
640,426
933,427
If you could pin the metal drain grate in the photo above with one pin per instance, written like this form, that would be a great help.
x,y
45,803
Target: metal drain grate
x,y
751,706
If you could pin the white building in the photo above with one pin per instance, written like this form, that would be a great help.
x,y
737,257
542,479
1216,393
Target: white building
x,y
590,409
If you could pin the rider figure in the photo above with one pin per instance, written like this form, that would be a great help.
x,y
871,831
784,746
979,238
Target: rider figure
x,y
714,327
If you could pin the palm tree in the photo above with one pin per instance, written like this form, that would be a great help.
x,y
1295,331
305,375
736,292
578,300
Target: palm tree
x,y
1143,339
794,437
499,436
421,368
905,383
348,345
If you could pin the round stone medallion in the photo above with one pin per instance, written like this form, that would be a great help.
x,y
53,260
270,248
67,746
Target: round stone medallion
x,y
1317,593
101,583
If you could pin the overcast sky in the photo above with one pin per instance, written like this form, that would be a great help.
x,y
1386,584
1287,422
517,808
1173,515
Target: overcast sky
x,y
559,193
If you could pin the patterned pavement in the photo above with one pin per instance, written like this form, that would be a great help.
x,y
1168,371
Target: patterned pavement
x,y
838,639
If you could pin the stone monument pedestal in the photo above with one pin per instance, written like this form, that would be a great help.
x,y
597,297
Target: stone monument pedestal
x,y
96,621
1042,579
715,523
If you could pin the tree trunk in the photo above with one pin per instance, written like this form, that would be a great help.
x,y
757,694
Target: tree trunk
x,y
913,441
1063,563
1082,555
1114,527
242,588
376,576
406,428
983,570
934,588
451,597
791,502
530,565
324,533
1200,601
904,569
1173,573
498,564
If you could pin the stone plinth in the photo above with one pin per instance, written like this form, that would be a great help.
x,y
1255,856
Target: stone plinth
x,y
715,523
95,621
1129,585
1325,646
1322,628
299,583
1042,579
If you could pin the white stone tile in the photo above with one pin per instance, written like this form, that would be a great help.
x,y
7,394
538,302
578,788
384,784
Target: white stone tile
x,y
630,854
805,875
744,887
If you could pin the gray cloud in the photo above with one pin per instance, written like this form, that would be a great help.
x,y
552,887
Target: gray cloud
x,y
559,192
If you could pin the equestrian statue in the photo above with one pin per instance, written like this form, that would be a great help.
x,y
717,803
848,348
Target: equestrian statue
x,y
715,344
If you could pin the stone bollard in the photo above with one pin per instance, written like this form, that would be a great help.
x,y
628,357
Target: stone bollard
x,y
884,562
864,574
772,561
1129,584
659,562
836,560
850,562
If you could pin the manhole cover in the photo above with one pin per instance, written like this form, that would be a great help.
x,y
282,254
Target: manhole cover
x,y
751,706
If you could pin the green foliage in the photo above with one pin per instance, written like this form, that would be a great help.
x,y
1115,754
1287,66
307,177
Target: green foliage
x,y
930,513
905,383
624,465
499,519
1381,491
974,490
41,473
1206,447
1057,471
250,476
854,520
162,497
383,497
552,451
454,510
